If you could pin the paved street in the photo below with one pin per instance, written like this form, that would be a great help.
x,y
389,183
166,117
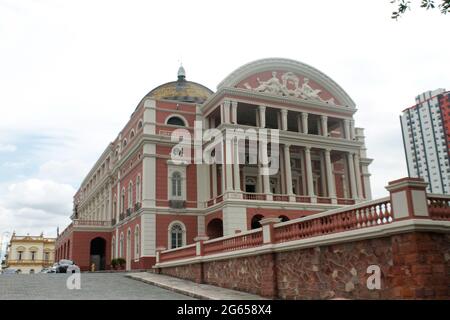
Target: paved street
x,y
93,286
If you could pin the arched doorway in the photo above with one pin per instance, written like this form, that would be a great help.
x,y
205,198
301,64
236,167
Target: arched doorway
x,y
215,228
98,256
255,221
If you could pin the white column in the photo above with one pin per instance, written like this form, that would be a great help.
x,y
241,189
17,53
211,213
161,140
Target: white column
x,y
237,178
324,120
352,129
299,123
266,179
309,175
226,111
262,116
228,165
305,122
358,176
330,176
110,203
148,177
284,122
234,105
347,128
288,172
214,180
351,171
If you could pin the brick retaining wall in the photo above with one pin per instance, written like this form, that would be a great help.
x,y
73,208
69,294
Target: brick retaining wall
x,y
413,265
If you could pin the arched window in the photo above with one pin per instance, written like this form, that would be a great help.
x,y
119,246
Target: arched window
x,y
176,184
124,143
138,189
130,195
176,121
136,242
132,134
140,124
176,235
121,246
113,247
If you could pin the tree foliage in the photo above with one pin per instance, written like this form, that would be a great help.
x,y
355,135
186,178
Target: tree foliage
x,y
403,5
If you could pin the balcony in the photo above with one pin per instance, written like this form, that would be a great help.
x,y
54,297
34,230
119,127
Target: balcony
x,y
129,212
137,206
177,204
251,196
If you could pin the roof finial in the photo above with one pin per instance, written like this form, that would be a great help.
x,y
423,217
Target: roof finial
x,y
181,73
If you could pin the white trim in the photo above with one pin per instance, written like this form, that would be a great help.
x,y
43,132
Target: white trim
x,y
287,64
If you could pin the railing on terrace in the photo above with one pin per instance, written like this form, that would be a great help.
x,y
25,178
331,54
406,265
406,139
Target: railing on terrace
x,y
303,199
188,251
323,200
439,206
349,218
345,201
240,241
254,196
248,239
359,216
280,197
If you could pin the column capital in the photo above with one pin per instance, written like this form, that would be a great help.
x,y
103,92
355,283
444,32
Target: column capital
x,y
322,116
287,145
284,111
261,107
234,103
226,103
307,148
304,115
327,150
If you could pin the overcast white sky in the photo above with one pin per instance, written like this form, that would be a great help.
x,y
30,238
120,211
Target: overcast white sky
x,y
71,73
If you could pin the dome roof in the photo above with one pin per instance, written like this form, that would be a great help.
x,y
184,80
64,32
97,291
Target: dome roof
x,y
181,90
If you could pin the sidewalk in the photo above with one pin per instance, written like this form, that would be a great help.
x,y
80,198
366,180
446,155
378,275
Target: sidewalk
x,y
192,289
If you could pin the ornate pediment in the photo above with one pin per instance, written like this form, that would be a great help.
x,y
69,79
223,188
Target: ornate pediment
x,y
287,84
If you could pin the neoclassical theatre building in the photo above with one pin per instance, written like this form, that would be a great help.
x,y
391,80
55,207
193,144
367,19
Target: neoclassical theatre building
x,y
136,199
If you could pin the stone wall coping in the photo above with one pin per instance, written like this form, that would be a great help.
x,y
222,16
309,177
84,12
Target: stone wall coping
x,y
384,230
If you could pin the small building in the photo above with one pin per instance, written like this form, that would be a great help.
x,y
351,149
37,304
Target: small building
x,y
30,254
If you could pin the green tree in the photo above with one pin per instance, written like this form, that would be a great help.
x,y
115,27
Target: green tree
x,y
403,5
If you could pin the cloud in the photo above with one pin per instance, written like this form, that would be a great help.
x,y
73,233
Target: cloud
x,y
7,148
70,171
46,195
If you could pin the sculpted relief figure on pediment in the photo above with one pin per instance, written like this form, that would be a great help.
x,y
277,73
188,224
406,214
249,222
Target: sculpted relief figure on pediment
x,y
288,86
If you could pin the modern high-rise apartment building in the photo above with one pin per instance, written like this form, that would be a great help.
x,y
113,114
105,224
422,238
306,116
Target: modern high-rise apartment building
x,y
426,137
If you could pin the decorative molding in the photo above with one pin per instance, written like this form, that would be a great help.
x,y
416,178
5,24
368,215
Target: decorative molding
x,y
289,65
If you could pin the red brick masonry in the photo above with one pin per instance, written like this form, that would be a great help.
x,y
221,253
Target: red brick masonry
x,y
414,265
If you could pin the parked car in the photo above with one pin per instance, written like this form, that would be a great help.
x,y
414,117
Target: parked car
x,y
45,270
9,271
65,266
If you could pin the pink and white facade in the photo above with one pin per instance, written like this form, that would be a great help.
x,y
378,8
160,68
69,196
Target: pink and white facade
x,y
136,199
